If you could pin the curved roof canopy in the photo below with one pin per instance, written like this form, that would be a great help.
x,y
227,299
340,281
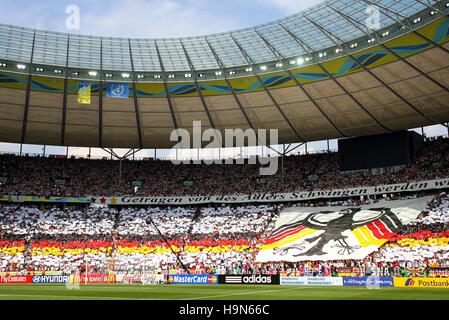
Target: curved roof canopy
x,y
323,73
315,31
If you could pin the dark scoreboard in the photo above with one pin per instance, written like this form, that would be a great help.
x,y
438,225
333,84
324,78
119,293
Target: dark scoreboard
x,y
379,151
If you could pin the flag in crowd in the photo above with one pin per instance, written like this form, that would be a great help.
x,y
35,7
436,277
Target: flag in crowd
x,y
117,90
84,92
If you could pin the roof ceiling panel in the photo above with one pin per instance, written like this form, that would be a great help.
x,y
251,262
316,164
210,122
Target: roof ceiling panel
x,y
417,87
43,133
323,89
301,110
81,135
119,119
12,97
120,137
11,130
358,81
157,138
289,95
436,103
222,102
229,119
187,119
187,104
154,119
52,100
153,105
82,114
255,99
119,105
11,112
41,114
441,76
430,60
264,114
393,72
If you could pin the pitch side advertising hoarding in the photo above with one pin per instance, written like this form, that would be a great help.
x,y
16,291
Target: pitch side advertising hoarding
x,y
368,281
95,278
125,278
441,283
16,279
311,281
50,279
249,279
191,279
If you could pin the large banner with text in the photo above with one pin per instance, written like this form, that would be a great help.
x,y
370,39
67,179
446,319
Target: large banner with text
x,y
279,197
429,185
337,233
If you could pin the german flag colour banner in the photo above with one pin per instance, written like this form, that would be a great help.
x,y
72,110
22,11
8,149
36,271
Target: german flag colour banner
x,y
337,233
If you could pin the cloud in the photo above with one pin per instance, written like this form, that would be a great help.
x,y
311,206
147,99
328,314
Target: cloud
x,y
150,18
157,19
181,18
290,6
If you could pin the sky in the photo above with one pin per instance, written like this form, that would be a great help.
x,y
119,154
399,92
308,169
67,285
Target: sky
x,y
151,19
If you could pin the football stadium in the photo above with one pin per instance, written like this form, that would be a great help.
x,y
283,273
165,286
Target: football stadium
x,y
305,158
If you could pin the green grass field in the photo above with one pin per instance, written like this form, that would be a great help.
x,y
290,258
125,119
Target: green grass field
x,y
222,292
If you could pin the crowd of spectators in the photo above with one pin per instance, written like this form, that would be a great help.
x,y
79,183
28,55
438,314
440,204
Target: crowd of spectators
x,y
248,221
220,239
40,176
51,238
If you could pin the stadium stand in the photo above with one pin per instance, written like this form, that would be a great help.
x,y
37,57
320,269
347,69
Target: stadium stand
x,y
36,175
196,214
222,239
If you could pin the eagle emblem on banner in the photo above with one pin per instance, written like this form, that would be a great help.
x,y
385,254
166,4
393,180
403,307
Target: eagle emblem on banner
x,y
324,234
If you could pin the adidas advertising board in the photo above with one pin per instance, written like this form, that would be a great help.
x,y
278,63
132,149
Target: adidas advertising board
x,y
260,279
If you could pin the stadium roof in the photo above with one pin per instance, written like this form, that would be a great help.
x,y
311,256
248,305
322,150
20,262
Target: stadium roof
x,y
287,38
318,74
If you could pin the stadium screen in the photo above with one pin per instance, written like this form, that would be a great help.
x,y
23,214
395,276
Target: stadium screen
x,y
379,151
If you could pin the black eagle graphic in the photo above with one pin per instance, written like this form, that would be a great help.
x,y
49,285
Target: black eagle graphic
x,y
334,230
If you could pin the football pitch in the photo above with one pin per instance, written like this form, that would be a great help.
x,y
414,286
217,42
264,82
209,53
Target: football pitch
x,y
222,292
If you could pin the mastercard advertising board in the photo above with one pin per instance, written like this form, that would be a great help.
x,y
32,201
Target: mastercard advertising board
x,y
441,283
191,279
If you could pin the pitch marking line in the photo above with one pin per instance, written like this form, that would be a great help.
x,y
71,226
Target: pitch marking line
x,y
239,294
45,297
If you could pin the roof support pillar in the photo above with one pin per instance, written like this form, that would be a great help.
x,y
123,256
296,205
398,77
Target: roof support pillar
x,y
136,102
28,92
64,101
100,99
167,91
